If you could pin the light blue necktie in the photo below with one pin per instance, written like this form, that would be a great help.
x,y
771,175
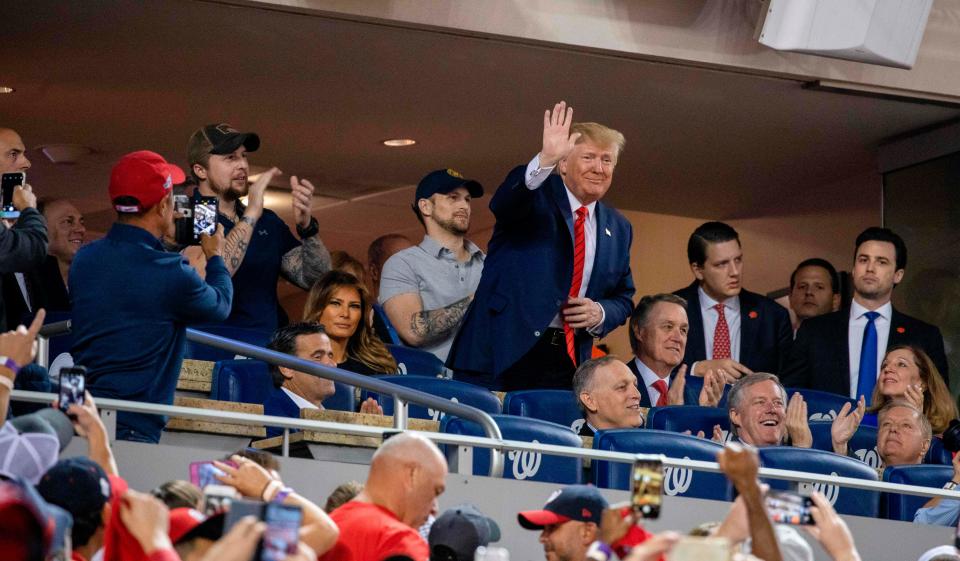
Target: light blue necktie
x,y
868,359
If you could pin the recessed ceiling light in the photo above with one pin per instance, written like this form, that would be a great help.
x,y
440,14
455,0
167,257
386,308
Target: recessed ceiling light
x,y
399,142
6,89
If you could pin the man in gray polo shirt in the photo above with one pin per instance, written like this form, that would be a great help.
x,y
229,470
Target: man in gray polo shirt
x,y
426,289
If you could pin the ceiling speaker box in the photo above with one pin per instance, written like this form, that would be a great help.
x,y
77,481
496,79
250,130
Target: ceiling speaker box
x,y
883,32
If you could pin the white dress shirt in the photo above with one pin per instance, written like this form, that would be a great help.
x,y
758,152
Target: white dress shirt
x,y
710,315
650,377
858,322
301,403
535,176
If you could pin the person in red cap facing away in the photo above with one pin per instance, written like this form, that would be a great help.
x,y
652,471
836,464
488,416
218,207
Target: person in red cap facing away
x,y
569,522
132,300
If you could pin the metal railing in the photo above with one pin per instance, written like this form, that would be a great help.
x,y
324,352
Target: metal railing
x,y
484,442
401,395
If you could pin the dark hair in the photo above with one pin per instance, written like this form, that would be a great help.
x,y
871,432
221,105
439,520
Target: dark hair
x,y
584,374
85,525
284,340
823,264
416,212
639,316
878,234
706,234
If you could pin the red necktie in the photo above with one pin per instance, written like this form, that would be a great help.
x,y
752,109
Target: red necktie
x,y
579,249
721,337
661,387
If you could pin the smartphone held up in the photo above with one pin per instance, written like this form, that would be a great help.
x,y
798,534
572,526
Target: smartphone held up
x,y
9,182
647,490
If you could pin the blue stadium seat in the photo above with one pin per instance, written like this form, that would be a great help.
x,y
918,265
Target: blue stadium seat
x,y
461,392
677,482
937,454
845,501
903,507
531,466
416,362
821,406
863,445
391,330
679,418
198,351
695,385
556,406
249,381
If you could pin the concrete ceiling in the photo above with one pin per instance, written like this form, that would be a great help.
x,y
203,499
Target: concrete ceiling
x,y
322,93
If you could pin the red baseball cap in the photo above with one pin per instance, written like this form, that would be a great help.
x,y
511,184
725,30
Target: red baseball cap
x,y
188,523
145,178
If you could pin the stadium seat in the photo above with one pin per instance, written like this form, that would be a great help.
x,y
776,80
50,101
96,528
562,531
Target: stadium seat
x,y
937,454
863,445
677,482
821,406
695,385
199,351
415,362
556,406
845,501
461,392
680,418
903,507
248,381
531,466
391,330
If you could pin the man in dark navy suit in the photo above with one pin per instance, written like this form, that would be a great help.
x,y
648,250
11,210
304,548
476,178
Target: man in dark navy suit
x,y
557,272
731,328
832,351
658,337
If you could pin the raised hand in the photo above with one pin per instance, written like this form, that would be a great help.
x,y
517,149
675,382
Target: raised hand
x,y
24,197
255,193
712,390
557,140
914,395
831,531
249,478
614,524
21,344
371,407
740,464
798,424
845,425
302,192
675,393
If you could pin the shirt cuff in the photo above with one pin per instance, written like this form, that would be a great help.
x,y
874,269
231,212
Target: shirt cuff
x,y
536,175
598,328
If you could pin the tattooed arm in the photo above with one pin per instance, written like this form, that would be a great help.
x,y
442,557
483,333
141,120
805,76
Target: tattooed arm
x,y
418,327
305,264
235,245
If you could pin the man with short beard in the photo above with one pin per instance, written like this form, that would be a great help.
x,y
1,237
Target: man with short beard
x,y
218,162
426,289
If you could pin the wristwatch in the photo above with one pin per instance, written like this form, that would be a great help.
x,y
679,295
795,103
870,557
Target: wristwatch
x,y
310,230
950,485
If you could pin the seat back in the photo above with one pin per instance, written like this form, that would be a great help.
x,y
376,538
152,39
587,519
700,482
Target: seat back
x,y
381,316
415,362
556,406
198,351
461,392
937,455
249,381
863,445
681,482
531,466
821,406
904,507
679,418
844,500
695,385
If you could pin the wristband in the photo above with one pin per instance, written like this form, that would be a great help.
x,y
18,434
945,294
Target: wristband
x,y
599,551
8,362
310,231
270,490
282,494
950,485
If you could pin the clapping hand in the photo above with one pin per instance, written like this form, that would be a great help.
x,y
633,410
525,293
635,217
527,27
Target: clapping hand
x,y
679,383
557,140
914,394
845,425
712,390
798,424
302,192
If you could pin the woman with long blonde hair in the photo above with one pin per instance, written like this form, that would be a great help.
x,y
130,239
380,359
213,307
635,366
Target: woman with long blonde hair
x,y
907,372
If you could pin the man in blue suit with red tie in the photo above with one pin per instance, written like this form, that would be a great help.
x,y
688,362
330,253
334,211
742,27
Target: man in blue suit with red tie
x,y
557,272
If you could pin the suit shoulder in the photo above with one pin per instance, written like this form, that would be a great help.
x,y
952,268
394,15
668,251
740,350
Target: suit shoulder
x,y
903,320
689,293
753,300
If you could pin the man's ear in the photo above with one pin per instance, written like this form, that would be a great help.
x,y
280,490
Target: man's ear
x,y
898,276
836,302
286,373
562,166
735,419
424,205
588,402
199,171
589,533
697,271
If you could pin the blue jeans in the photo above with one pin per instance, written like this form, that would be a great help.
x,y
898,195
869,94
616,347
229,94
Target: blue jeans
x,y
133,435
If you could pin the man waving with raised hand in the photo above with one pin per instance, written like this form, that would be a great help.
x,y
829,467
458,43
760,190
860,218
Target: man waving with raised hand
x,y
557,272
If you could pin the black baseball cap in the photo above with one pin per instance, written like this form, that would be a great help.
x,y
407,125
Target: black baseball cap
x,y
583,503
443,181
219,139
78,485
459,531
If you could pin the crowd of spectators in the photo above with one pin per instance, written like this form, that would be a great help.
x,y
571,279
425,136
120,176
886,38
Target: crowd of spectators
x,y
525,315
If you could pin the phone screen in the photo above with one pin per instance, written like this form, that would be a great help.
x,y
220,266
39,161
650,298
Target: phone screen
x,y
217,498
241,508
72,386
204,217
7,184
282,533
204,473
647,485
786,507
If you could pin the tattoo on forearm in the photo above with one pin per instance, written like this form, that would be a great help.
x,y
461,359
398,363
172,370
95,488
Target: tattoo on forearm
x,y
433,325
235,246
305,264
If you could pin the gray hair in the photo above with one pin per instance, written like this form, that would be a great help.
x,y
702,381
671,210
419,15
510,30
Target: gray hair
x,y
641,313
926,430
735,397
583,377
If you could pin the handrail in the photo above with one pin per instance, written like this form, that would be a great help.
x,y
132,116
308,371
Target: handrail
x,y
47,332
482,442
400,394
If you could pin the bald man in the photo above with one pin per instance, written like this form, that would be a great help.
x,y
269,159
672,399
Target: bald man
x,y
23,245
407,474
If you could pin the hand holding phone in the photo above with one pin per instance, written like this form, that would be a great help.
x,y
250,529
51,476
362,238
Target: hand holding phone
x,y
647,485
72,386
786,507
283,531
8,184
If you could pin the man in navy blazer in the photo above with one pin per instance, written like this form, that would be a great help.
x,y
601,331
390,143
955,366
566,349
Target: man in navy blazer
x,y
758,329
826,353
515,334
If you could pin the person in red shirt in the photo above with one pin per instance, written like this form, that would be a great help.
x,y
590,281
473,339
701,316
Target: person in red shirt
x,y
407,474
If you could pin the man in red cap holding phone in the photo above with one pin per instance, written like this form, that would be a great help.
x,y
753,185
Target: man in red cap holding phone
x,y
132,300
